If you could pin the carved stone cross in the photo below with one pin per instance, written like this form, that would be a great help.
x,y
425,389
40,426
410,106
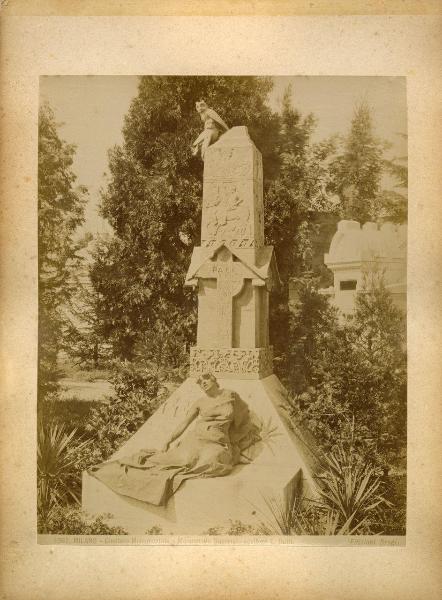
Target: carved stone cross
x,y
230,275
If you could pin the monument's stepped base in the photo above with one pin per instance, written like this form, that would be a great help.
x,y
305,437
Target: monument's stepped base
x,y
282,461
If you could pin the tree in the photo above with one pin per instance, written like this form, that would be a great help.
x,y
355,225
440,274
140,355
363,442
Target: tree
x,y
302,188
85,338
153,200
60,213
358,169
394,202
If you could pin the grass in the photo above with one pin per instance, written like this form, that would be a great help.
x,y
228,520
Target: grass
x,y
72,371
88,376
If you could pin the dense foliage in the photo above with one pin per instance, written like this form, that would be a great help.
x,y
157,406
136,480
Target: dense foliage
x,y
358,169
58,466
153,201
137,395
349,377
302,188
73,436
84,337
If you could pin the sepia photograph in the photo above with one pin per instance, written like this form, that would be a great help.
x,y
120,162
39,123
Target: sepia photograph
x,y
222,309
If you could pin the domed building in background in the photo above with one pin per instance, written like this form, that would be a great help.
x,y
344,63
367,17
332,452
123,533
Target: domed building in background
x,y
356,252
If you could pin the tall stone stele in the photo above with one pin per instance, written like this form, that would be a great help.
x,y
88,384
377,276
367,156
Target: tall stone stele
x,y
233,273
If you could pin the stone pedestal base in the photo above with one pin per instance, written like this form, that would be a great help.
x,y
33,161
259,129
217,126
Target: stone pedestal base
x,y
283,461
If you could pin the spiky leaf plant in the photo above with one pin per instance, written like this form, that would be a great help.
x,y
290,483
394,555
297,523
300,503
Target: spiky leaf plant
x,y
57,456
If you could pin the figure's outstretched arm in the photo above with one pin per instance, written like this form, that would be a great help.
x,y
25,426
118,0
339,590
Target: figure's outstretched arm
x,y
200,138
182,427
215,116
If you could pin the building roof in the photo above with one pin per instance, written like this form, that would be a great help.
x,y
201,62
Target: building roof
x,y
353,243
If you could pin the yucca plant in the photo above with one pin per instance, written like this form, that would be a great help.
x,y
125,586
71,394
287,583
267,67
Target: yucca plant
x,y
294,515
57,459
331,524
350,498
283,514
349,487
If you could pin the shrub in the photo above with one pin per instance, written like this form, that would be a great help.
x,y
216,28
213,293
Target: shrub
x,y
235,528
72,521
349,378
100,427
295,515
138,394
392,519
154,530
351,501
128,377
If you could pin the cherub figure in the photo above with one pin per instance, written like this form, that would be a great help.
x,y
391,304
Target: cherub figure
x,y
214,126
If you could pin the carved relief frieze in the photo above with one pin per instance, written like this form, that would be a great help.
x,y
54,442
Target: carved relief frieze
x,y
227,211
235,361
233,242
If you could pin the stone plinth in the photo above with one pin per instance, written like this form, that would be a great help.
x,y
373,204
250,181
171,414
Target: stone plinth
x,y
283,462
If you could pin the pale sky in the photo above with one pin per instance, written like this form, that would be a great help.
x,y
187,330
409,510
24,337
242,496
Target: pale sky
x,y
92,110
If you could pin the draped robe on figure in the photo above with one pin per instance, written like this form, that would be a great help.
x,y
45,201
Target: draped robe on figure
x,y
210,447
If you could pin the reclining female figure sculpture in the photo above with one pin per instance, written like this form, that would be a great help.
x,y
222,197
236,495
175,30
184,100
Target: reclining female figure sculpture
x,y
222,430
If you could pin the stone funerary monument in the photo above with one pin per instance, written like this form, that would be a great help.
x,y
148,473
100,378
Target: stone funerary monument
x,y
233,273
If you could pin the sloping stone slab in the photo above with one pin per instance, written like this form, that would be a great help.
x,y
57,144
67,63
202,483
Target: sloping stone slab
x,y
284,461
